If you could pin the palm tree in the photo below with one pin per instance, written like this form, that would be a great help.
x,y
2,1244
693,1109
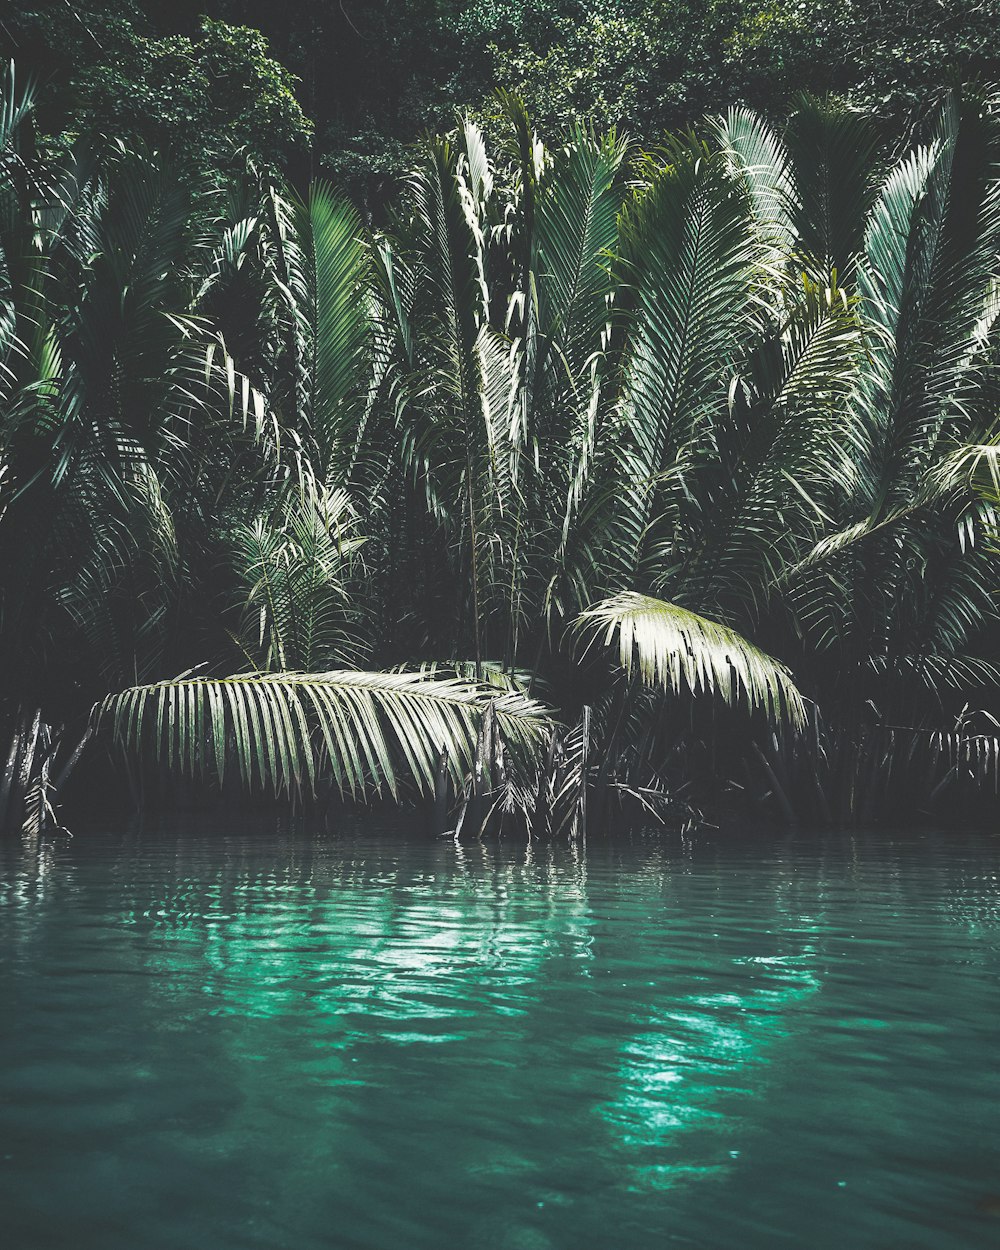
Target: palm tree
x,y
103,382
609,426
896,603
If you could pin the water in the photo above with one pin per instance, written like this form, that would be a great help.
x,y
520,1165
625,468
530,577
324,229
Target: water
x,y
224,1040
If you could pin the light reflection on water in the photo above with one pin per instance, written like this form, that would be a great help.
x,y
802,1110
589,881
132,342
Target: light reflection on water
x,y
249,1039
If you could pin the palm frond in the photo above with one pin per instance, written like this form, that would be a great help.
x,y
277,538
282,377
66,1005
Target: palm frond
x,y
16,103
359,733
342,330
577,225
688,246
757,156
671,649
777,453
294,580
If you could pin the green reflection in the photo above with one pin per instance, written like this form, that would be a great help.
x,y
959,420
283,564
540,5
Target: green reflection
x,y
229,1042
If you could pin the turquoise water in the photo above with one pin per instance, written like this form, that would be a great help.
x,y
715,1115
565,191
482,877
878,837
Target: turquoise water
x,y
229,1039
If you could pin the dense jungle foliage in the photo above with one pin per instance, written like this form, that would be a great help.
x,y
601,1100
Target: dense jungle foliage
x,y
197,76
598,475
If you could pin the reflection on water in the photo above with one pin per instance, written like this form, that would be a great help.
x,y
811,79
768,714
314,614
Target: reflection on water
x,y
249,1039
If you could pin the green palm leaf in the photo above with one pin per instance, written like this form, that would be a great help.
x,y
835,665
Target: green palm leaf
x,y
756,155
577,226
670,648
296,608
363,733
16,104
688,245
341,327
780,448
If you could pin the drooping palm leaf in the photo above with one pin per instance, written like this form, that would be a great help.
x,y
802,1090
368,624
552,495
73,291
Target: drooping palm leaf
x,y
362,733
672,649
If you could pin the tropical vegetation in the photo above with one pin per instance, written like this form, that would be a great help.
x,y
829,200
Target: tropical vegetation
x,y
602,479
200,77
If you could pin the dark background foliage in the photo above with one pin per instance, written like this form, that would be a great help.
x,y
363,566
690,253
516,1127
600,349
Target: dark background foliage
x,y
342,87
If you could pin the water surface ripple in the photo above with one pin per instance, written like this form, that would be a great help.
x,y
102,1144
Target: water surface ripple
x,y
231,1039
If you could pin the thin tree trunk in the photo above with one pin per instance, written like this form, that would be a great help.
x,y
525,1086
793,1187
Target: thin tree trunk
x,y
478,651
7,783
73,760
28,759
581,802
441,794
786,808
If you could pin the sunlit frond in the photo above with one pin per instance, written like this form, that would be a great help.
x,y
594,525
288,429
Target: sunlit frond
x,y
672,649
361,733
